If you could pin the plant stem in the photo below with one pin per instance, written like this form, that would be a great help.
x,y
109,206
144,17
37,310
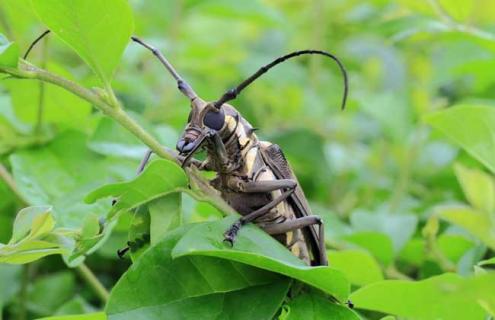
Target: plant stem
x,y
392,273
41,98
107,104
449,21
9,181
90,278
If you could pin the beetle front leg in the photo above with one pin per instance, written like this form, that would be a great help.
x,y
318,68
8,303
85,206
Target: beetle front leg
x,y
147,156
300,223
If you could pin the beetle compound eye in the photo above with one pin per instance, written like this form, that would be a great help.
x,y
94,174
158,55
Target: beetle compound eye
x,y
214,120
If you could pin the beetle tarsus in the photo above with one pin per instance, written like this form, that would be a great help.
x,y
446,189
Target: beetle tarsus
x,y
121,252
231,234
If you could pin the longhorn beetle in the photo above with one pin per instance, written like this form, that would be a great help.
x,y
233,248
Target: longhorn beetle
x,y
253,176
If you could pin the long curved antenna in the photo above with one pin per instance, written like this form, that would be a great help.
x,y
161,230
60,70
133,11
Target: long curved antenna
x,y
233,93
182,85
34,43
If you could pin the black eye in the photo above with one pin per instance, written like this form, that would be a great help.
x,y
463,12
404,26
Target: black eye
x,y
214,120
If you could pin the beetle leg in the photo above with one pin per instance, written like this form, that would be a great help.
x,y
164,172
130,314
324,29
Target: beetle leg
x,y
147,156
299,223
220,150
231,233
261,186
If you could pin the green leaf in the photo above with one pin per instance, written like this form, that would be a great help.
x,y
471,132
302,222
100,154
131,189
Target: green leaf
x,y
50,292
316,306
358,266
453,246
98,30
376,243
208,287
165,215
161,177
490,261
110,138
88,316
33,237
470,126
9,53
477,223
10,283
60,106
23,222
256,248
399,228
140,226
447,296
478,187
62,173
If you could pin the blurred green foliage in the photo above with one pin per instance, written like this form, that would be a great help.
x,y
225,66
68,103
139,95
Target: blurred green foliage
x,y
403,178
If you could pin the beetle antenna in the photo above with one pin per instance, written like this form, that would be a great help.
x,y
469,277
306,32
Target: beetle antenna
x,y
182,85
233,93
34,43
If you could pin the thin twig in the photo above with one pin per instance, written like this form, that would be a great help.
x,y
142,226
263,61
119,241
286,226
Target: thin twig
x,y
89,277
450,22
9,181
41,98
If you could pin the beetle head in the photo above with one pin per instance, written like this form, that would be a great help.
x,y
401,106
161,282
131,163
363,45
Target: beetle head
x,y
204,120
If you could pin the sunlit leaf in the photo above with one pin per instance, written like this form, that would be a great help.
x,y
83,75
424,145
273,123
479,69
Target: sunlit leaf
x,y
477,223
358,266
98,30
443,297
33,237
9,53
478,187
470,126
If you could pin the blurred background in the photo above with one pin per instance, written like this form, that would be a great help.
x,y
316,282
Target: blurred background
x,y
375,171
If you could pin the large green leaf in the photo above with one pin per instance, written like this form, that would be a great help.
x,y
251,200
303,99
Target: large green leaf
x,y
315,306
256,248
470,126
98,30
161,177
194,286
447,296
9,53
